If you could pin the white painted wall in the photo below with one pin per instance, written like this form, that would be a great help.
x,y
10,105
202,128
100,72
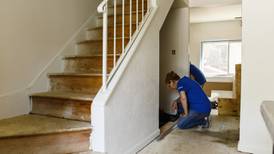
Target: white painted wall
x,y
125,117
174,35
32,34
223,30
257,74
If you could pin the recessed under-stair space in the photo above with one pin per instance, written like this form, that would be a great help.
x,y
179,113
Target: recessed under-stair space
x,y
59,121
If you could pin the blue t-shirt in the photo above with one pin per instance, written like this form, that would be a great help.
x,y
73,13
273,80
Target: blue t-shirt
x,y
197,99
198,74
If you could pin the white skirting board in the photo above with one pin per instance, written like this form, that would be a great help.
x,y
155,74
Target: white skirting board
x,y
143,143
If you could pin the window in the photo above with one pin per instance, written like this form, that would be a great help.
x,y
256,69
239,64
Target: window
x,y
219,57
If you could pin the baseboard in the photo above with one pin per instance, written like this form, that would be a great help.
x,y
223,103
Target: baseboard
x,y
143,143
253,149
14,104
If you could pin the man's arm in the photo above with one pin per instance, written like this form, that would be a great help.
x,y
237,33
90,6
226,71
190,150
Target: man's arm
x,y
183,99
192,77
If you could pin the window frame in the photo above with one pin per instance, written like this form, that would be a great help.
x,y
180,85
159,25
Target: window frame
x,y
216,41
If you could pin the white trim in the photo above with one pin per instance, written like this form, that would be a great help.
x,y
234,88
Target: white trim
x,y
252,149
143,143
225,79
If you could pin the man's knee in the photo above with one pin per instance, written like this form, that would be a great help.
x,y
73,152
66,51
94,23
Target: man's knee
x,y
182,124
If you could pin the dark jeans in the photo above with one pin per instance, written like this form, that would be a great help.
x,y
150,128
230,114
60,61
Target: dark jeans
x,y
193,118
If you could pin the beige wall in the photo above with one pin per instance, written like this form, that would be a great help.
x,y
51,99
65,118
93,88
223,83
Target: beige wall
x,y
32,32
257,75
222,30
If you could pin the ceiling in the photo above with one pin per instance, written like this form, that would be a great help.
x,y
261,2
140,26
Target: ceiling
x,y
211,14
212,3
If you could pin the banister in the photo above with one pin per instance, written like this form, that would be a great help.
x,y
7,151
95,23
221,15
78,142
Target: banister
x,y
102,6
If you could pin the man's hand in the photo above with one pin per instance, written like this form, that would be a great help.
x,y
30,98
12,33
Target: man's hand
x,y
174,105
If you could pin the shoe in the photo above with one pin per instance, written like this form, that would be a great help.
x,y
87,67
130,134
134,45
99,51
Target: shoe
x,y
207,122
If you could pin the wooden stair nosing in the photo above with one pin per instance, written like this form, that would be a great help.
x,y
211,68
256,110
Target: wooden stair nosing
x,y
101,40
126,14
87,56
64,95
74,74
48,132
111,26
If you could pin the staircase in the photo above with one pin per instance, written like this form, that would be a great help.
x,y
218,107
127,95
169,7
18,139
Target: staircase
x,y
60,118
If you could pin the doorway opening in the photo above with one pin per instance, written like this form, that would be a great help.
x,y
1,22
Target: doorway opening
x,y
208,36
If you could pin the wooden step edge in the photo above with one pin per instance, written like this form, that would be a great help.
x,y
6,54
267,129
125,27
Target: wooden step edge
x,y
87,56
100,40
112,26
126,13
48,132
74,74
65,95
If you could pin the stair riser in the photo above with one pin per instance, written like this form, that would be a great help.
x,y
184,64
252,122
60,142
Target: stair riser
x,y
89,85
62,108
119,19
86,65
62,143
91,48
97,33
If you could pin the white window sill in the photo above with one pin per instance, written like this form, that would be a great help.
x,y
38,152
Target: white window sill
x,y
220,79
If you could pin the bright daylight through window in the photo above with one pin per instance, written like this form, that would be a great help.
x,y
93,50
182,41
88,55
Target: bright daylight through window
x,y
219,57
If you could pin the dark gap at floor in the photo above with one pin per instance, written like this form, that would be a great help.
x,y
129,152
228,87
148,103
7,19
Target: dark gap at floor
x,y
164,118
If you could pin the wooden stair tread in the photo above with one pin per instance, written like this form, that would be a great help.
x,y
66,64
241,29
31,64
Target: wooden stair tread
x,y
222,94
111,26
126,13
75,74
100,40
65,95
86,56
33,125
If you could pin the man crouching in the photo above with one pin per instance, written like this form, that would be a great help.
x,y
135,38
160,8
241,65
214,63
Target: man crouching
x,y
193,106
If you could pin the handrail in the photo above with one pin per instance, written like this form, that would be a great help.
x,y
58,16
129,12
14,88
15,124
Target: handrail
x,y
103,8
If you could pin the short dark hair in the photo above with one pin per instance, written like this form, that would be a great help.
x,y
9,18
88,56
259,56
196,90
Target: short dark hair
x,y
172,76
